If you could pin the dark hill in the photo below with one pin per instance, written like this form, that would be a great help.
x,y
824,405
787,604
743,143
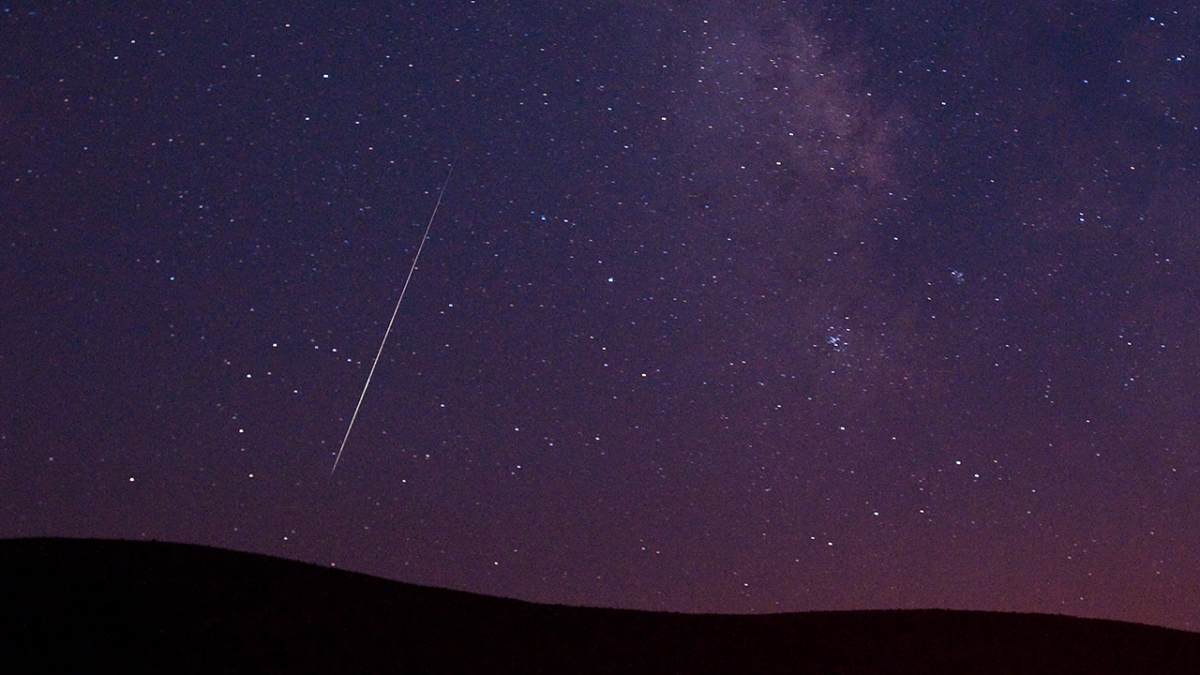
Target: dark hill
x,y
107,606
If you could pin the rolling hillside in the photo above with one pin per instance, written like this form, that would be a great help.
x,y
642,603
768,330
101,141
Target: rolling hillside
x,y
106,606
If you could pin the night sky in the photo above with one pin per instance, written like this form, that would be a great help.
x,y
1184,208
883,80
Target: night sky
x,y
729,306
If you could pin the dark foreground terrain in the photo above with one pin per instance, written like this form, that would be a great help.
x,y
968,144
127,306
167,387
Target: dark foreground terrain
x,y
108,606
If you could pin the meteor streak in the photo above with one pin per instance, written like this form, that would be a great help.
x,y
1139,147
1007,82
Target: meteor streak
x,y
393,321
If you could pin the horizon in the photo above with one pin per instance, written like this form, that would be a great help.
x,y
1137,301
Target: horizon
x,y
332,567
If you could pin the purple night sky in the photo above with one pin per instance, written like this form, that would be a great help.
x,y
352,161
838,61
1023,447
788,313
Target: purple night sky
x,y
729,306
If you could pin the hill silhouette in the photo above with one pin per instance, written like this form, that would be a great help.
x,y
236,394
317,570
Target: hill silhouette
x,y
70,605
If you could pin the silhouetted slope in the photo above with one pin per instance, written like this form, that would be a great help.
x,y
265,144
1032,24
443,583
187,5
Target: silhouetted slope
x,y
92,606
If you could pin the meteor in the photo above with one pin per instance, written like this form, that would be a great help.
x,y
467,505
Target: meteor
x,y
393,321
